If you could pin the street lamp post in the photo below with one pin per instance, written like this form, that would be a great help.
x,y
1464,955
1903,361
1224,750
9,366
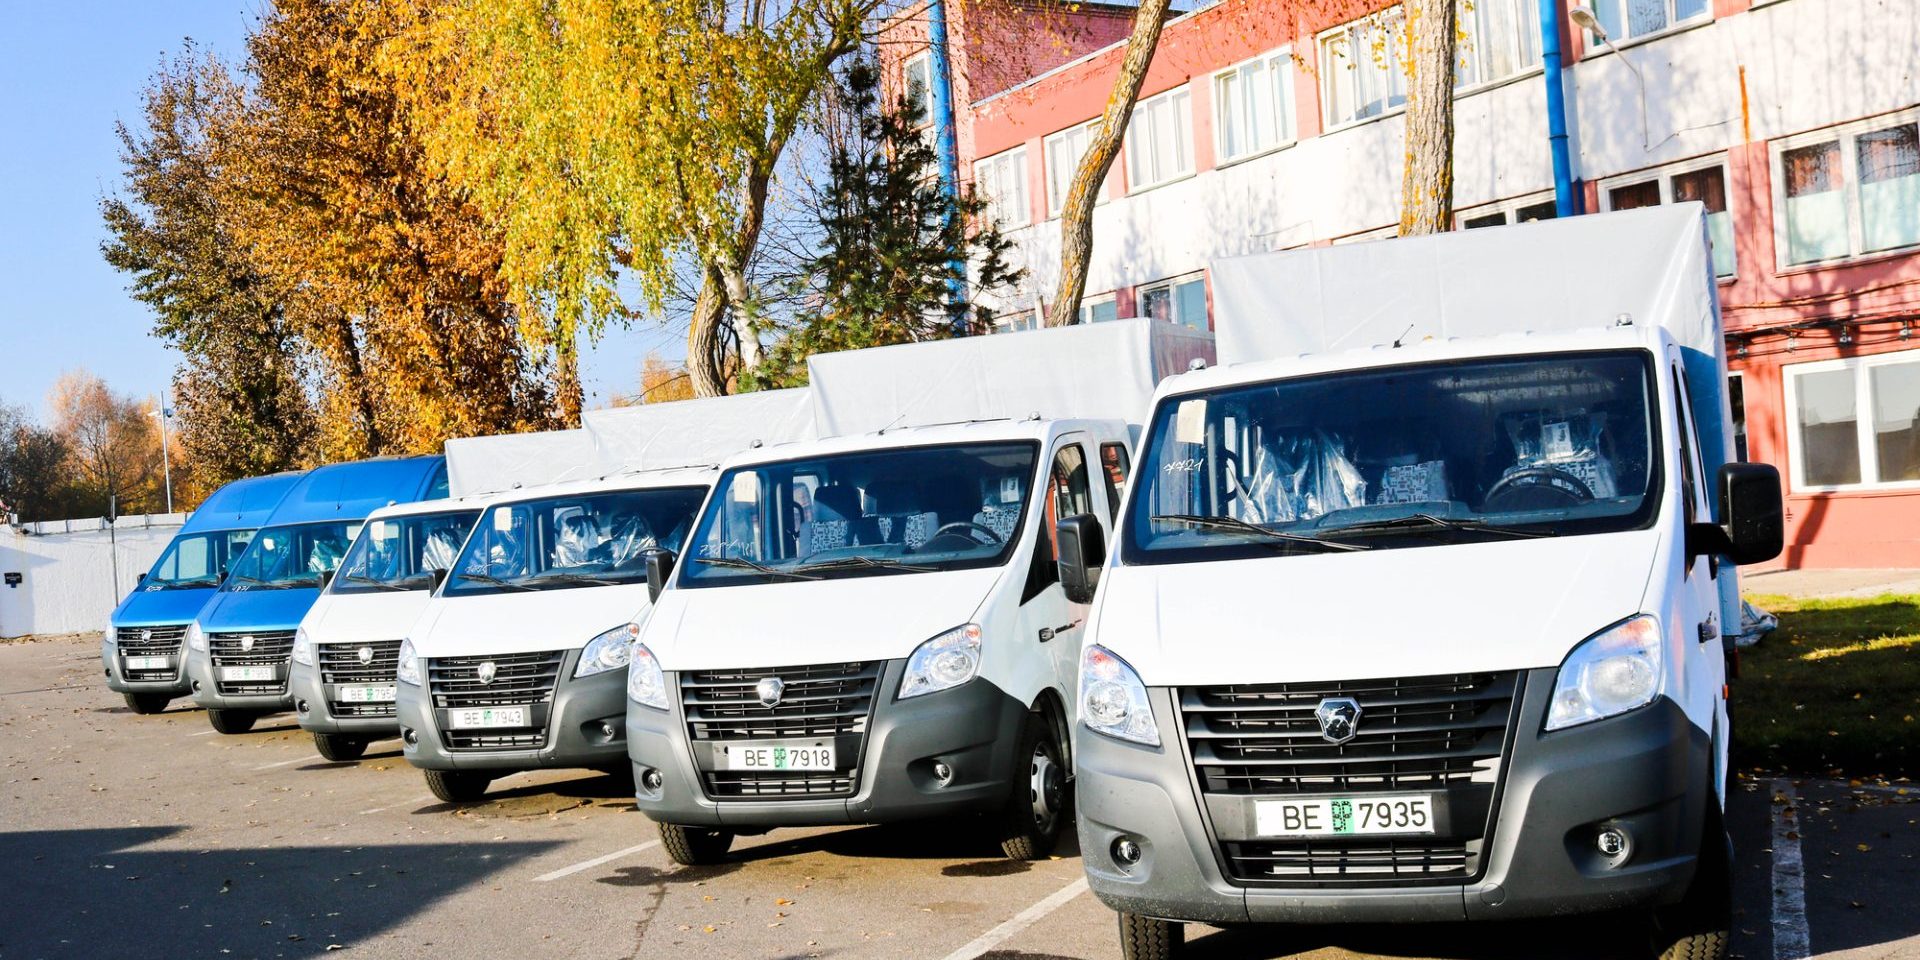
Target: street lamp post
x,y
166,460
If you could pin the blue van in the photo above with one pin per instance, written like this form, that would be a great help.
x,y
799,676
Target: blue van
x,y
140,650
239,647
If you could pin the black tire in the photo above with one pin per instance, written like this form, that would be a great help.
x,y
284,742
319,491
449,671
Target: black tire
x,y
1700,926
232,721
340,748
694,846
458,786
1145,938
1037,809
144,703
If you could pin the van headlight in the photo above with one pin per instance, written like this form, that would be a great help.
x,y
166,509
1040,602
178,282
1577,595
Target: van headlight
x,y
409,671
608,651
946,661
1113,701
302,647
1614,671
646,682
196,637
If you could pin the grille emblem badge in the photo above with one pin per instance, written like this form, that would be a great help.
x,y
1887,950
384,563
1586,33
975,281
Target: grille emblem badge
x,y
366,654
488,670
146,634
1339,718
246,643
770,690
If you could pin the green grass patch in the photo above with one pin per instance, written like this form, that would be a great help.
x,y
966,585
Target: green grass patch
x,y
1835,691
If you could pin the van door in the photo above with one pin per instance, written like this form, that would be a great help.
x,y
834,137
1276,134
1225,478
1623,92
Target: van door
x,y
1698,602
1048,620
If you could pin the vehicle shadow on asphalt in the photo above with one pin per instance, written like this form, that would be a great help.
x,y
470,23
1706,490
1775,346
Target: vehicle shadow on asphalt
x,y
98,893
1585,938
960,839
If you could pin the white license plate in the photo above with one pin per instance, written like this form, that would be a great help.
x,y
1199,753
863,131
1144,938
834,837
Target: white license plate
x,y
367,694
149,663
473,718
1344,816
243,674
776,755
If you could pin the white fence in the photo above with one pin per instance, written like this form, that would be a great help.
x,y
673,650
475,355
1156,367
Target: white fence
x,y
71,573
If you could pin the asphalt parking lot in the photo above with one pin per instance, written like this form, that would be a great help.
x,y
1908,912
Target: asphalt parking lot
x,y
143,836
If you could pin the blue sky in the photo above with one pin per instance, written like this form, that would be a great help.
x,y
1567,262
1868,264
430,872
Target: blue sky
x,y
68,71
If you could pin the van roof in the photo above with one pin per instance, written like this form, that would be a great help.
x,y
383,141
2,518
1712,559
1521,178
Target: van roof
x,y
242,504
350,491
628,480
972,431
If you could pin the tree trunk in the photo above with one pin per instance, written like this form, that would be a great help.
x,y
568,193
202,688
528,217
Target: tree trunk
x,y
567,395
1426,180
1076,214
704,363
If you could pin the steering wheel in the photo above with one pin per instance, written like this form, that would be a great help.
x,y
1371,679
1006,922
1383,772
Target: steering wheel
x,y
1230,470
969,527
1537,488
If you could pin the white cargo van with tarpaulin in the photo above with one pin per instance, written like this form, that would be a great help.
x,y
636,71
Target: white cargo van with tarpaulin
x,y
519,659
869,626
347,649
1415,611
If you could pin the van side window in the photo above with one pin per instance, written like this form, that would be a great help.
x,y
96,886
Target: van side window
x,y
1689,465
1114,459
1068,494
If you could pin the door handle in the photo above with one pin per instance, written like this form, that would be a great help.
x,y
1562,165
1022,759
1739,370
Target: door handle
x,y
1048,633
1709,630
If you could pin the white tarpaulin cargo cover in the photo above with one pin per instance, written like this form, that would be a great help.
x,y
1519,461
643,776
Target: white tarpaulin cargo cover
x,y
685,433
1102,370
477,465
1553,275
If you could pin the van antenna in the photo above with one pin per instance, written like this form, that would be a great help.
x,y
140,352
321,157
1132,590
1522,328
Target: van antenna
x,y
1403,336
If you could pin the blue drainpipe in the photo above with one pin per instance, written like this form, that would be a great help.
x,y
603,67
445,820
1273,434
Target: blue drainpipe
x,y
943,142
1566,202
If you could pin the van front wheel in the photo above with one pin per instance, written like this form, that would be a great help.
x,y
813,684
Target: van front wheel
x,y
338,748
694,846
148,702
232,721
1145,938
1037,809
1700,926
458,786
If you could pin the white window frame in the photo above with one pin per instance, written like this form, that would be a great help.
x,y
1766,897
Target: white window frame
x,y
1509,207
1845,135
1388,232
1007,212
1049,147
922,60
1150,112
1004,322
1329,75
1663,175
1593,46
1287,129
1862,368
1088,303
1524,45
1140,296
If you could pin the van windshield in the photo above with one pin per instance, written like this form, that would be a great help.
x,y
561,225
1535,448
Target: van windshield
x,y
196,560
401,553
577,540
874,512
1407,456
298,555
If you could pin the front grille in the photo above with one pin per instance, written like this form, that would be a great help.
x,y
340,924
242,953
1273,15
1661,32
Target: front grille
x,y
821,700
271,648
340,663
1442,735
162,641
520,679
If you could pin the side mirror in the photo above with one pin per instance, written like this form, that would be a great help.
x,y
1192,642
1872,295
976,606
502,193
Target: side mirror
x,y
1083,551
659,568
139,578
439,576
326,578
1752,526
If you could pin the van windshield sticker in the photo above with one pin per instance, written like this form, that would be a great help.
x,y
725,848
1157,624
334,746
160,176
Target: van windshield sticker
x,y
1190,424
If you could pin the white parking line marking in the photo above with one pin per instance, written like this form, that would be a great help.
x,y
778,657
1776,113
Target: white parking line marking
x,y
270,766
203,733
1021,921
596,861
1790,935
404,803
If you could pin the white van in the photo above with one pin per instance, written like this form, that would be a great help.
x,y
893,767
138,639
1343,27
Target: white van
x,y
347,648
869,627
519,660
1428,630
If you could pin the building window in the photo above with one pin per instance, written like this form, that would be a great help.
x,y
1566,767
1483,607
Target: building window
x,y
917,86
1099,309
1253,105
1534,206
1181,300
1361,68
1002,180
1849,191
1855,422
1498,38
1705,181
1623,19
1160,140
1064,150
1017,320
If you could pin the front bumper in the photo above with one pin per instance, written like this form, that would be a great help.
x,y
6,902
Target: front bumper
x,y
1648,772
207,693
116,673
973,728
310,704
579,719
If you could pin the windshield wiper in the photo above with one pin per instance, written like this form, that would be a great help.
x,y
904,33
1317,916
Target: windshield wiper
x,y
1428,523
243,578
374,582
846,563
1231,525
740,563
189,583
569,578
489,578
